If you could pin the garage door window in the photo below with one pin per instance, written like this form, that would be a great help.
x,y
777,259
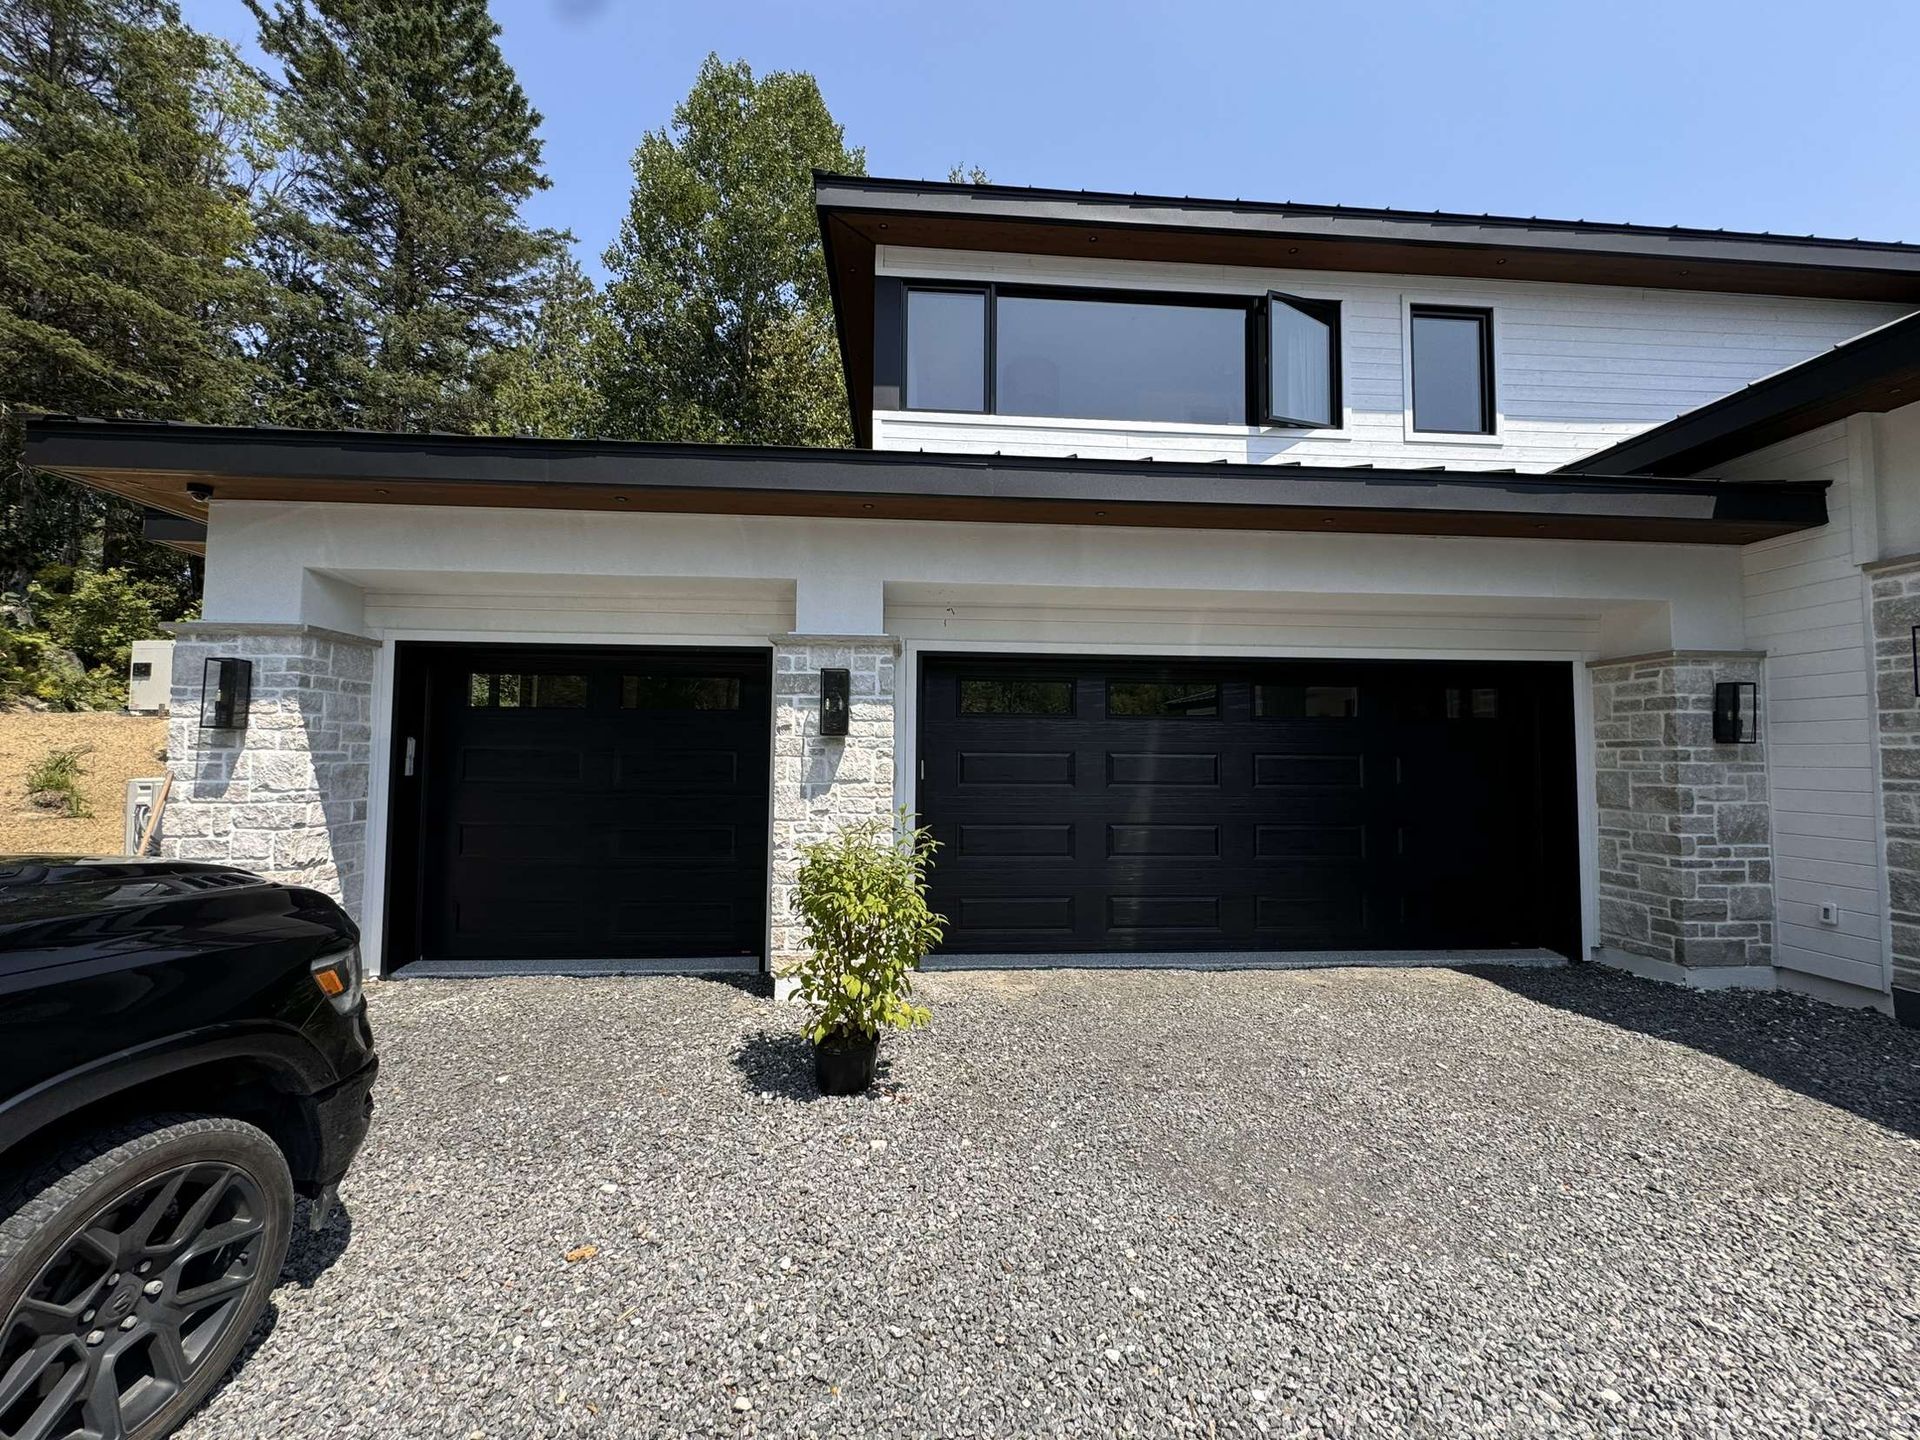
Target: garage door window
x,y
1168,700
679,692
1016,697
494,691
1306,702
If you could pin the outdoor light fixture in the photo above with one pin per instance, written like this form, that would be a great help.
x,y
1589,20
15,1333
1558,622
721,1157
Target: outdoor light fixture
x,y
1736,712
836,690
226,686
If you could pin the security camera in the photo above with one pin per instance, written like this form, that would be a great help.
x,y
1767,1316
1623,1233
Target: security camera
x,y
199,493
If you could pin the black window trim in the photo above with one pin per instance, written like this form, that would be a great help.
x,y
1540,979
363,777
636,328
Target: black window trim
x,y
1483,314
1259,340
1328,313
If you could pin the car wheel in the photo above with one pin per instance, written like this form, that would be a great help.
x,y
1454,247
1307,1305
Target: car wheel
x,y
133,1266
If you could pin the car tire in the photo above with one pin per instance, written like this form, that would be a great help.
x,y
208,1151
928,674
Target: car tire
x,y
134,1265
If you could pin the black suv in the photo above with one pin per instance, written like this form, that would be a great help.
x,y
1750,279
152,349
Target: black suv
x,y
183,1049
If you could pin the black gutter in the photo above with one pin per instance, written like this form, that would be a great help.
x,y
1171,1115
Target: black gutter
x,y
1871,373
855,193
80,448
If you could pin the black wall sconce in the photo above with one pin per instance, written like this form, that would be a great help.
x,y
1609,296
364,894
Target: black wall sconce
x,y
1736,712
836,691
226,688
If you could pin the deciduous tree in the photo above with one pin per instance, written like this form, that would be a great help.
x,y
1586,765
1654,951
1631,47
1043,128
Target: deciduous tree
x,y
718,290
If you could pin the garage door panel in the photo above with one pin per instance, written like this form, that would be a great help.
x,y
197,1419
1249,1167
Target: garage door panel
x,y
1049,840
1136,768
1016,769
519,765
1163,840
1251,804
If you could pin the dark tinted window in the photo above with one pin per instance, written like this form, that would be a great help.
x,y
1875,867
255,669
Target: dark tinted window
x,y
1173,698
1302,350
946,350
679,692
1452,370
1016,697
492,691
1120,360
1480,703
1305,702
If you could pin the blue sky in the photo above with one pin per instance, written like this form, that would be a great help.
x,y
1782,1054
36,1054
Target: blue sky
x,y
1796,117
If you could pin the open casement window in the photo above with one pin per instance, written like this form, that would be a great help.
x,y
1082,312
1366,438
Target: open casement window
x,y
1303,362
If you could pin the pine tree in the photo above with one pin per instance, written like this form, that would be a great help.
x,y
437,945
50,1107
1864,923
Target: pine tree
x,y
397,250
548,384
719,290
119,226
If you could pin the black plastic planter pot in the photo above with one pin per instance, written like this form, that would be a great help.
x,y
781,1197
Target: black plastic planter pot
x,y
843,1065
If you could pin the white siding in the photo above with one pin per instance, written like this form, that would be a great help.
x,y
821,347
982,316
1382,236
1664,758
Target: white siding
x,y
1579,366
1806,607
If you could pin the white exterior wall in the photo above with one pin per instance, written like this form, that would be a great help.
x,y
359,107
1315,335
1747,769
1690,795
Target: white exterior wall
x,y
1577,367
405,573
1806,606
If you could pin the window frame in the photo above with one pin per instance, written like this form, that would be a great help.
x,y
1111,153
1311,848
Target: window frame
x,y
1259,346
1328,313
1415,310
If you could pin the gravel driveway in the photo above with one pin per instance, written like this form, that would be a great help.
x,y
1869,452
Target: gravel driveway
x,y
1360,1202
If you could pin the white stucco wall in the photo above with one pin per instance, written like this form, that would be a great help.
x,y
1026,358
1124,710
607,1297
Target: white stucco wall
x,y
404,573
1578,367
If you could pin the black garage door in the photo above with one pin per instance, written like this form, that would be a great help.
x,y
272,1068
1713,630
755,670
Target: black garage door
x,y
591,804
1095,805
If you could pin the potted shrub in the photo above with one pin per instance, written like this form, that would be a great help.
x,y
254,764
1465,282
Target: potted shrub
x,y
861,896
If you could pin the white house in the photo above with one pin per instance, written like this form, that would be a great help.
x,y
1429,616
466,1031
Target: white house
x,y
1218,580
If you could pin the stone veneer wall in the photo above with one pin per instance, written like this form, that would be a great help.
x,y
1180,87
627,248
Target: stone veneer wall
x,y
1896,610
287,796
819,783
1686,854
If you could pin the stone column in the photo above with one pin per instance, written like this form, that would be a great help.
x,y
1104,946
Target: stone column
x,y
287,796
1896,610
821,782
1686,850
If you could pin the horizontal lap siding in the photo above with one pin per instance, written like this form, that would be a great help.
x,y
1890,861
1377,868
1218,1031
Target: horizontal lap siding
x,y
1580,367
1804,607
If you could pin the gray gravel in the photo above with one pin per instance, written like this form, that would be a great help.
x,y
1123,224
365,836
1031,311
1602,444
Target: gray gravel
x,y
1350,1203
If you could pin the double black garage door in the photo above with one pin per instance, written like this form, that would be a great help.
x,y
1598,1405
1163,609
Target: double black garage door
x,y
1096,805
559,805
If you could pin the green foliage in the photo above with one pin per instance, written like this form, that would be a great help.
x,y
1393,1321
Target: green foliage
x,y
967,175
88,621
861,895
53,782
398,259
547,384
98,615
119,229
719,290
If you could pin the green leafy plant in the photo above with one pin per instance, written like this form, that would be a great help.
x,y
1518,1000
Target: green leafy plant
x,y
862,898
54,782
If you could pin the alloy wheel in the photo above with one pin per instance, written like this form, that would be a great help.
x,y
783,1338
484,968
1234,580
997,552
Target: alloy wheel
x,y
118,1322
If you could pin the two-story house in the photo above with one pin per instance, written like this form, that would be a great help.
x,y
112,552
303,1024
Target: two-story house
x,y
1221,582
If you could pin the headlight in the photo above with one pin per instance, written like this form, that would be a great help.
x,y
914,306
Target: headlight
x,y
338,976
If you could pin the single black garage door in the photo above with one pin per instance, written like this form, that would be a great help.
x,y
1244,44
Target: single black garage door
x,y
1102,805
590,804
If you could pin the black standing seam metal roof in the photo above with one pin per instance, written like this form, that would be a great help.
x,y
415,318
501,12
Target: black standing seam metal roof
x,y
157,460
1877,371
835,191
